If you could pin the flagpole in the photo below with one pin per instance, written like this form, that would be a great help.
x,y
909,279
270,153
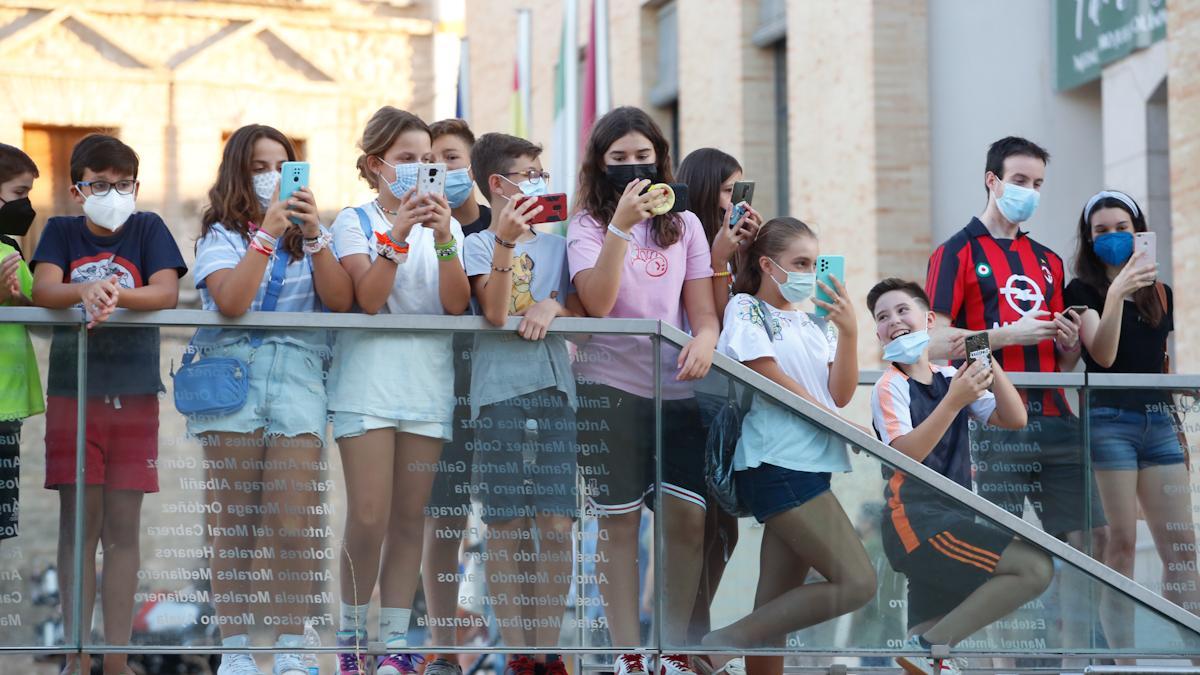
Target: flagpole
x,y
463,104
524,69
603,89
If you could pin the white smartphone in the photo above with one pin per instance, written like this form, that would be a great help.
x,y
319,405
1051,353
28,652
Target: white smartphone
x,y
1147,244
431,179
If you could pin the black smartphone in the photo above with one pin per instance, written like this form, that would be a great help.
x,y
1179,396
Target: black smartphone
x,y
978,349
743,193
1078,309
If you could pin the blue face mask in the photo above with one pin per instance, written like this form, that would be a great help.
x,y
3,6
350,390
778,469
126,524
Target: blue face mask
x,y
1114,248
458,186
799,285
406,178
906,349
1017,204
531,187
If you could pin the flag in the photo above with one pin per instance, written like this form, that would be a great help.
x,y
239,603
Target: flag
x,y
518,115
566,107
522,93
596,97
462,102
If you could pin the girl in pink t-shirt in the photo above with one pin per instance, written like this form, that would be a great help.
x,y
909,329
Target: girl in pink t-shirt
x,y
627,262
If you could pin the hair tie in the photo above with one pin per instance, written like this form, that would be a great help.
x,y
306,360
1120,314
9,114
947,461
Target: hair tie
x,y
1119,196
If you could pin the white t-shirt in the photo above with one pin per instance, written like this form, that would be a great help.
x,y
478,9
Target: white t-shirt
x,y
389,373
803,348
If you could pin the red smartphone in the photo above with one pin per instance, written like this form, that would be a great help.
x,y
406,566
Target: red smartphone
x,y
554,209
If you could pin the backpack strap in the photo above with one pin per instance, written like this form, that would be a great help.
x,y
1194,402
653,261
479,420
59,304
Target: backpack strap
x,y
364,221
1160,289
275,283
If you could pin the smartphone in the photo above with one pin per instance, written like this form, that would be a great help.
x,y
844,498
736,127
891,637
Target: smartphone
x,y
743,194
1147,243
680,190
292,177
978,349
1078,309
828,266
554,209
431,179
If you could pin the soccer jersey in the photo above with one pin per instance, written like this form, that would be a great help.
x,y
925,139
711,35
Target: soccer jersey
x,y
981,283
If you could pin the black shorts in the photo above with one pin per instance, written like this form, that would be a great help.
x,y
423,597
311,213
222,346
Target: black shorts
x,y
948,566
10,477
616,449
451,496
1044,463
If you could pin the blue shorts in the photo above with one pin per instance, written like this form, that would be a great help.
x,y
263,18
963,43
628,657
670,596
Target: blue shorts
x,y
1125,440
768,490
286,395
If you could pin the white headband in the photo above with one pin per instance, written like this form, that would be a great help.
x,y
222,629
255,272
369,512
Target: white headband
x,y
1119,196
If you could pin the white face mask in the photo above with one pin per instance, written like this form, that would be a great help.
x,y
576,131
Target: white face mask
x,y
264,187
109,211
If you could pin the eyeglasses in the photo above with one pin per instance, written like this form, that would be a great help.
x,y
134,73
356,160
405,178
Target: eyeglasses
x,y
101,187
532,174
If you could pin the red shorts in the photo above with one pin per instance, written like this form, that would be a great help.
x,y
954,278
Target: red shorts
x,y
121,443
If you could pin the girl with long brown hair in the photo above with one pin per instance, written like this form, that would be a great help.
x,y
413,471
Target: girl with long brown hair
x,y
246,240
628,262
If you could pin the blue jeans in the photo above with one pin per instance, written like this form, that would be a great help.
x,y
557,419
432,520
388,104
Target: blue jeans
x,y
1130,439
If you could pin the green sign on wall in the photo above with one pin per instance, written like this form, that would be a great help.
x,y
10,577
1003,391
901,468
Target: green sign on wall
x,y
1088,34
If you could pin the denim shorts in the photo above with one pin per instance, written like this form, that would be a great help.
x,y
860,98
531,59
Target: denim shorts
x,y
350,424
768,490
286,395
1129,439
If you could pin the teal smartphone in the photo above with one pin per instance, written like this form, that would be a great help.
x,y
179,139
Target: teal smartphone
x,y
829,266
292,177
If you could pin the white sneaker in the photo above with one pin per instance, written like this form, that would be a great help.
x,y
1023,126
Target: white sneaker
x,y
289,664
238,664
630,664
734,666
923,664
675,664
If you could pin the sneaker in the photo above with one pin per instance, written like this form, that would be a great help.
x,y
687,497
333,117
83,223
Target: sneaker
x,y
734,666
923,664
443,667
630,664
675,664
520,665
289,664
352,662
398,664
238,664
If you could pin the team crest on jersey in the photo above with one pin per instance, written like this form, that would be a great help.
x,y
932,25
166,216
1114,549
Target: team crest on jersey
x,y
1048,274
983,270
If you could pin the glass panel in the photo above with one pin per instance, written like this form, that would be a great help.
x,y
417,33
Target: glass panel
x,y
1140,441
878,557
257,529
30,611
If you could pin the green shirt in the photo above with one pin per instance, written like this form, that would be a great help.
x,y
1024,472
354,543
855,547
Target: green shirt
x,y
20,385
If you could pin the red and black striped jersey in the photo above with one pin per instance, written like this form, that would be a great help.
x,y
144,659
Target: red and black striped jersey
x,y
981,283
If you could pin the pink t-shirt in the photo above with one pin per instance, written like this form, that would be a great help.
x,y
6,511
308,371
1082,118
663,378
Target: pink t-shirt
x,y
651,288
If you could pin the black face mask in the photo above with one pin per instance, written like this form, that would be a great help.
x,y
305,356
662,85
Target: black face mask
x,y
620,175
16,217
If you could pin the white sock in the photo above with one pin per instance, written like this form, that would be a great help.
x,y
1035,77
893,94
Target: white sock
x,y
354,617
290,641
242,640
393,625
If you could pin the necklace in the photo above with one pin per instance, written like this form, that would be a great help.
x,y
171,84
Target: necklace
x,y
387,211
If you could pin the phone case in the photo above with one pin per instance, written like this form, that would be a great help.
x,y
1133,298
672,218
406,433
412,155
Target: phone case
x,y
743,191
292,177
431,179
978,348
1147,243
681,197
554,209
828,266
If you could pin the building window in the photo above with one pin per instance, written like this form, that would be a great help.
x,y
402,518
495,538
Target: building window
x,y
50,148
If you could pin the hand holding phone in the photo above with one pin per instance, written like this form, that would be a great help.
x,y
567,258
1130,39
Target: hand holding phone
x,y
1078,309
743,196
828,266
554,209
1146,243
431,179
292,177
978,348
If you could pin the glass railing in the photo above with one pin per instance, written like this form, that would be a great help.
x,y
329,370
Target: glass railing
x,y
504,519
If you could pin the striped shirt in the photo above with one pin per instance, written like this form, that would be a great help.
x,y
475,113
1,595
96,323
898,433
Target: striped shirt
x,y
982,283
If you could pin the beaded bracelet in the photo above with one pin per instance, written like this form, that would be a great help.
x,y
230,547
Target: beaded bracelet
x,y
502,270
717,275
385,239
